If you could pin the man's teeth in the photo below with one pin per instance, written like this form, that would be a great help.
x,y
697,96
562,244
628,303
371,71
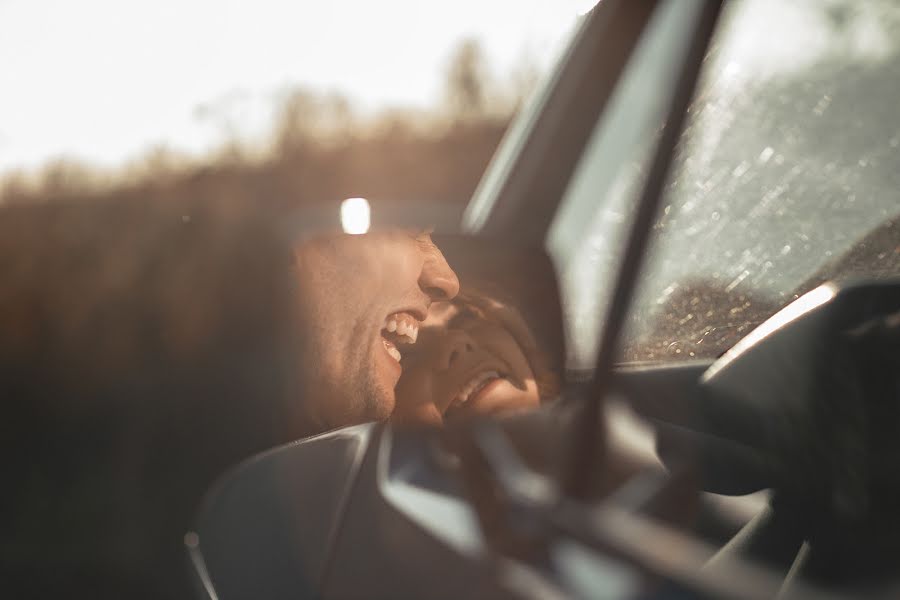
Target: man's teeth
x,y
395,354
391,349
405,326
475,385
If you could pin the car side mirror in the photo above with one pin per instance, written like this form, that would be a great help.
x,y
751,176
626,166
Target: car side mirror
x,y
331,514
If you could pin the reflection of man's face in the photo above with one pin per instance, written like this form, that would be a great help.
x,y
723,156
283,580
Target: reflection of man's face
x,y
360,297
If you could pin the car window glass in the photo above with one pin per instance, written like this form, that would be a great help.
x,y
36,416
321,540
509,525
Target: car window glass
x,y
787,174
589,228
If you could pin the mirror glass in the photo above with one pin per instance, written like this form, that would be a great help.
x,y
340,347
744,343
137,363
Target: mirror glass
x,y
422,328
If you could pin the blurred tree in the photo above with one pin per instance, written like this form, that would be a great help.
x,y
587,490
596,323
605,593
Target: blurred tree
x,y
318,149
15,187
292,123
306,118
65,178
467,81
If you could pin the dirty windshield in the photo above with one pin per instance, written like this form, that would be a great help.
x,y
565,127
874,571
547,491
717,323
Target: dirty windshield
x,y
787,174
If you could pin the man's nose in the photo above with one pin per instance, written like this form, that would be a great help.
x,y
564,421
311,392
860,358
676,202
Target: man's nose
x,y
437,279
457,344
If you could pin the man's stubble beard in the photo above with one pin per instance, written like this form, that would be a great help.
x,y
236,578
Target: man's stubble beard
x,y
376,398
342,390
339,397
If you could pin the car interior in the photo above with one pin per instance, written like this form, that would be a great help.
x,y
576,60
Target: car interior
x,y
725,324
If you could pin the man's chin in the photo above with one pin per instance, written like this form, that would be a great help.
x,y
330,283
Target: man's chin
x,y
381,403
360,396
379,399
359,401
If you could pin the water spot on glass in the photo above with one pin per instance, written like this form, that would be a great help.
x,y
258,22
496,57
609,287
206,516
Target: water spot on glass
x,y
862,162
766,154
822,105
786,249
614,216
737,280
741,169
715,216
666,293
779,159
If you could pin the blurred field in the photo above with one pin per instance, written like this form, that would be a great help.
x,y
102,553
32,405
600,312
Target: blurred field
x,y
319,151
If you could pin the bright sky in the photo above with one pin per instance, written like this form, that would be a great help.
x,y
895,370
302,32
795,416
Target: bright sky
x,y
103,80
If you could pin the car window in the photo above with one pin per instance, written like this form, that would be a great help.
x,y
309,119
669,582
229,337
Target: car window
x,y
787,174
589,229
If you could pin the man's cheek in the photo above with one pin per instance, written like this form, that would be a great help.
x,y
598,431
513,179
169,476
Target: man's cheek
x,y
406,263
